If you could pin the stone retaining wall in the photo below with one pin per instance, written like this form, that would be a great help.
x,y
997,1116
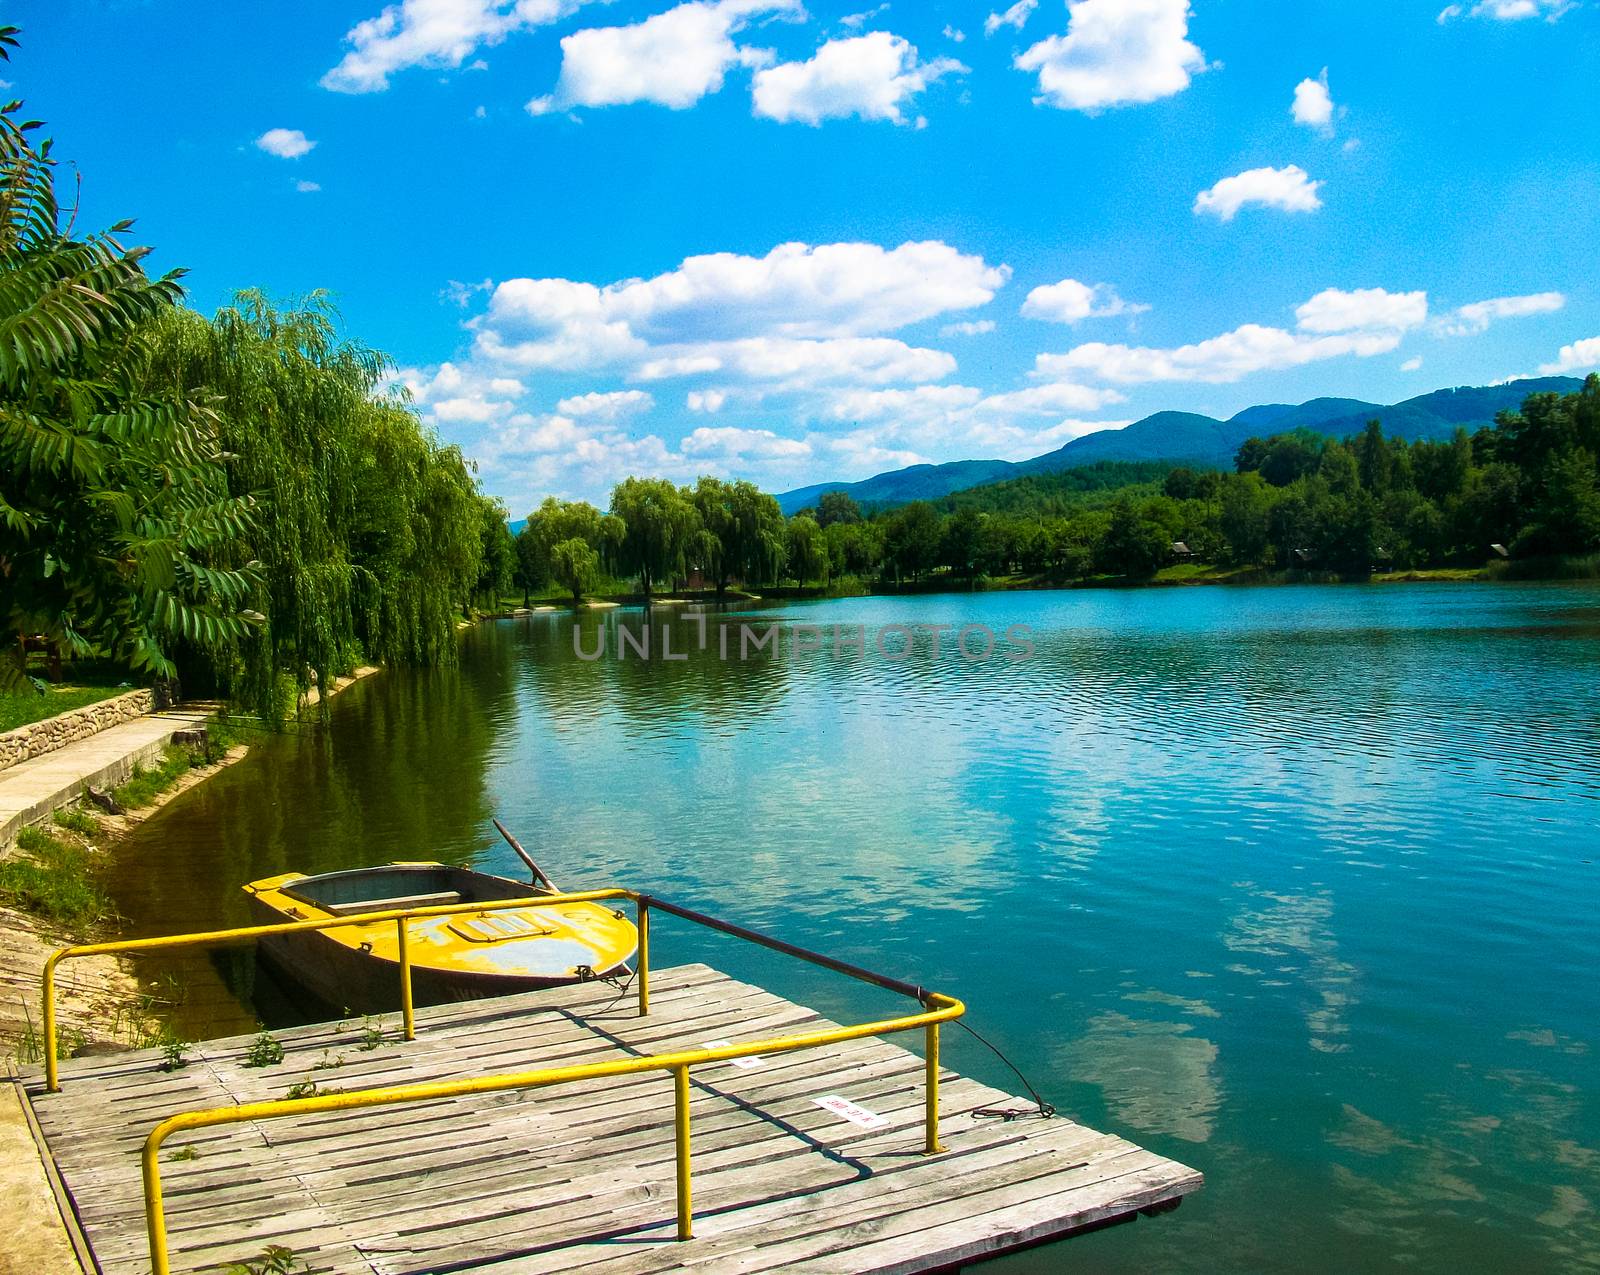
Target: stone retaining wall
x,y
39,738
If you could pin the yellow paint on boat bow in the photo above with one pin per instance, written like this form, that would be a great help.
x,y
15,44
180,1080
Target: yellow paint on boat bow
x,y
555,942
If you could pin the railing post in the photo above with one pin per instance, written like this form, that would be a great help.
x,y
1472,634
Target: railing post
x,y
406,1011
930,1062
155,1219
52,1080
644,958
680,1085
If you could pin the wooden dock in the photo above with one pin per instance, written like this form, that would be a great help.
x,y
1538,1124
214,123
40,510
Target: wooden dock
x,y
582,1175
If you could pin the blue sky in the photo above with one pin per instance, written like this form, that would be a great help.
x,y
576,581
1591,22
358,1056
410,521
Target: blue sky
x,y
797,242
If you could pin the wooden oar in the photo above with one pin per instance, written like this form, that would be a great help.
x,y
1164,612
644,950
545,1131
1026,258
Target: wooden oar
x,y
539,873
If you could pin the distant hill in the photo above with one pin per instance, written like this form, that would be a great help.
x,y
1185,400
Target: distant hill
x,y
901,486
1182,436
1192,439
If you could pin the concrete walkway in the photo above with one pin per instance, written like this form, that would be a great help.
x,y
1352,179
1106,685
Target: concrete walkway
x,y
31,790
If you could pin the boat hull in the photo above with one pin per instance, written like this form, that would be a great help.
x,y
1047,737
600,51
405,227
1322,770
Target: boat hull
x,y
356,983
357,970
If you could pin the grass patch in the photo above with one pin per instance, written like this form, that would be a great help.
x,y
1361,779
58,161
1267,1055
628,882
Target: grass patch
x,y
55,879
1429,573
77,819
26,707
144,786
1181,571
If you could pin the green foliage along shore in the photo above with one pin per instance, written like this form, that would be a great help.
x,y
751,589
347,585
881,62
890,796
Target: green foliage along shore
x,y
1296,503
232,501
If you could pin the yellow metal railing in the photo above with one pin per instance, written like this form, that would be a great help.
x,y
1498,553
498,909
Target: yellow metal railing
x,y
937,1009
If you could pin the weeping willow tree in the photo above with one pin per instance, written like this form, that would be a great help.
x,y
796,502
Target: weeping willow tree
x,y
370,536
416,539
115,504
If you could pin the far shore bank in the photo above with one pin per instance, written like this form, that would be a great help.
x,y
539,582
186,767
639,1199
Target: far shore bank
x,y
1177,577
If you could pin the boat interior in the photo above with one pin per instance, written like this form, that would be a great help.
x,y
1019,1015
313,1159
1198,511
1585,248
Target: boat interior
x,y
403,885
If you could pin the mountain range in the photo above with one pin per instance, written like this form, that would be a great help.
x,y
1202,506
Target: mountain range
x,y
1203,441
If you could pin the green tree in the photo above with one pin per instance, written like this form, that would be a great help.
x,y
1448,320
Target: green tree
x,y
372,534
911,538
1566,518
1133,545
854,548
742,531
808,554
575,566
961,543
659,525
836,507
114,503
1246,508
531,569
1374,459
498,554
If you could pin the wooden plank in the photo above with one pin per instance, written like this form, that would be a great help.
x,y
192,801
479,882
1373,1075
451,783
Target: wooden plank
x,y
581,1176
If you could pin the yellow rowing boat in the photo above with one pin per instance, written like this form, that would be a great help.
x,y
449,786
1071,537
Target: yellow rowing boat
x,y
459,957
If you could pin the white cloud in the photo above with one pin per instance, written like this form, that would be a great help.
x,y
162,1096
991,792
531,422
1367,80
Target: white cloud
x,y
307,188
1472,319
788,364
1412,365
461,395
1051,399
925,403
862,453
1365,309
458,293
1115,53
1313,104
922,403
1246,350
1509,10
1330,325
1071,302
610,406
1577,357
433,33
789,308
1289,189
971,327
285,143
855,21
732,443
954,34
673,59
759,342
1016,17
872,76
961,420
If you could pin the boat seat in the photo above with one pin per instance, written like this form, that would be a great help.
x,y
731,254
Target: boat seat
x,y
395,904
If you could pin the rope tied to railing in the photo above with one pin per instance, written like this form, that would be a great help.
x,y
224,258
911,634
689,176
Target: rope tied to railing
x,y
1042,1109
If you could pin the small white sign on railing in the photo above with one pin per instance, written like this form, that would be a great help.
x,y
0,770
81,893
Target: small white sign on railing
x,y
751,1060
854,1112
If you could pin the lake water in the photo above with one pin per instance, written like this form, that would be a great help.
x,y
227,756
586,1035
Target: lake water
x,y
1297,885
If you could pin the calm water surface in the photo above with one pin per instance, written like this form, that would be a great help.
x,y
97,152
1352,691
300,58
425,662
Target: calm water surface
x,y
1297,885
